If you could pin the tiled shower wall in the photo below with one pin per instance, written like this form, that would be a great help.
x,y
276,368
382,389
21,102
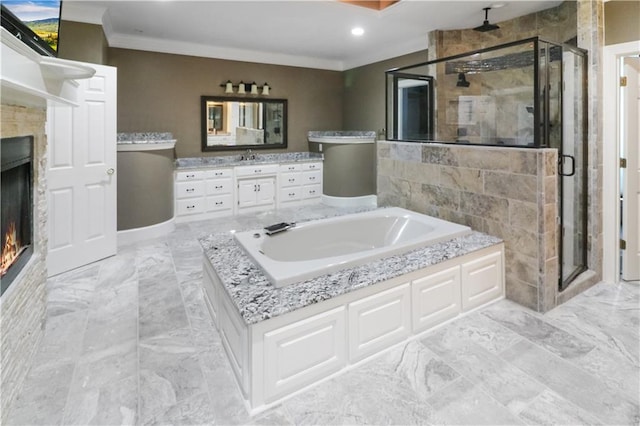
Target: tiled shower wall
x,y
507,192
23,305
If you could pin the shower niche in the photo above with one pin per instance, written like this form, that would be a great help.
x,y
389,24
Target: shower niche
x,y
526,94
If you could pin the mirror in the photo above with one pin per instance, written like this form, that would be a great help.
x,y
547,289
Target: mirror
x,y
234,123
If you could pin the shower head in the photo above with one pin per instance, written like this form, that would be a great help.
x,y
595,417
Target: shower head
x,y
462,80
486,26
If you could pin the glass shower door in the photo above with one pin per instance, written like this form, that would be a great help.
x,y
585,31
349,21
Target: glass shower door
x,y
566,130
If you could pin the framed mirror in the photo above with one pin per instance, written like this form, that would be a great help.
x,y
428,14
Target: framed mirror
x,y
236,123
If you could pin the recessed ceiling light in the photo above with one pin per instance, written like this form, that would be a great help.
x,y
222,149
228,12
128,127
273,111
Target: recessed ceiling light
x,y
357,31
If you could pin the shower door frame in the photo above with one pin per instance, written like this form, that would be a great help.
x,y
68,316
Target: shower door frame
x,y
579,169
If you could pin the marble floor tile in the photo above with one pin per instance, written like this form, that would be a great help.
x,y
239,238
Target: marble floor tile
x,y
551,409
113,403
170,373
579,387
465,403
504,382
129,341
42,397
537,330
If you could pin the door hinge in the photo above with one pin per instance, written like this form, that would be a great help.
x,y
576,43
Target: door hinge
x,y
623,81
623,245
623,163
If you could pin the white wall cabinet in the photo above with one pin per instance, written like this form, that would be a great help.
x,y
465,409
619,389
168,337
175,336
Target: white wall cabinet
x,y
276,357
206,193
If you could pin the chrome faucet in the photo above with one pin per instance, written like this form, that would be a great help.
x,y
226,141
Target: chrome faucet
x,y
249,155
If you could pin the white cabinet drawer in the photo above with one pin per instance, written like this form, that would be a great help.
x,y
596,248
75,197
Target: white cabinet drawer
x,y
290,179
303,352
482,280
189,189
190,175
218,186
218,173
379,321
290,194
311,191
185,207
312,177
219,202
257,170
290,167
312,166
435,298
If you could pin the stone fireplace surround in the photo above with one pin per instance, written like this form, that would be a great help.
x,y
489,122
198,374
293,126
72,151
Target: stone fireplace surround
x,y
28,83
23,305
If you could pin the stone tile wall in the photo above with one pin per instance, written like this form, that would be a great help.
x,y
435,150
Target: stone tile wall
x,y
23,305
507,192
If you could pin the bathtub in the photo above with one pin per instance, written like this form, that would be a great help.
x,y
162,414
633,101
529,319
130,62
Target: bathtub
x,y
323,246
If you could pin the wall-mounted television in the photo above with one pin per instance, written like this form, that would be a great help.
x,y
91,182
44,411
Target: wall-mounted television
x,y
35,22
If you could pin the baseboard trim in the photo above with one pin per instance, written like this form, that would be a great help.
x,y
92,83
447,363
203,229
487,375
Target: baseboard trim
x,y
130,236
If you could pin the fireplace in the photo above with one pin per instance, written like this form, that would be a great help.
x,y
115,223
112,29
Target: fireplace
x,y
16,181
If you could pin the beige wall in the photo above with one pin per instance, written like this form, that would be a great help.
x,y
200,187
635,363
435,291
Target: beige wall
x,y
82,42
159,92
621,21
364,92
145,188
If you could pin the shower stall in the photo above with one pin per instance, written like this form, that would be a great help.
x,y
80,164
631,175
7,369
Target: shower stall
x,y
527,94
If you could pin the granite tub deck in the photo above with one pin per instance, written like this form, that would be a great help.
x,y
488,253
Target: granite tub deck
x,y
281,341
235,160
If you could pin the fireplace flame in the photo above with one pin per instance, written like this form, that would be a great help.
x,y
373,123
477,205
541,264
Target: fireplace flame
x,y
10,250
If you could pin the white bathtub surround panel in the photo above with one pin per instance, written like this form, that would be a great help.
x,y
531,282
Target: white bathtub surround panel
x,y
317,248
257,300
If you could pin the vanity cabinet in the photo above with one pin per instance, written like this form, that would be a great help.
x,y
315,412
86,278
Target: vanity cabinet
x,y
206,193
202,192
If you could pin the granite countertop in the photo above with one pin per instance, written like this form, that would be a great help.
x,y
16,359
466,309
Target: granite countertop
x,y
234,160
257,300
145,138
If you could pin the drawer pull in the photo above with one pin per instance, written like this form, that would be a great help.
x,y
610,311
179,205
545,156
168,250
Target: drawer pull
x,y
312,166
292,194
257,171
190,189
292,168
312,192
190,176
218,173
219,203
292,180
218,186
191,207
312,178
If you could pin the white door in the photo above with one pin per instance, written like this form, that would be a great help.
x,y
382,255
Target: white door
x,y
81,174
630,184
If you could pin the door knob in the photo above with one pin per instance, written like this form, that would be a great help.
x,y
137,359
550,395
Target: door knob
x,y
110,171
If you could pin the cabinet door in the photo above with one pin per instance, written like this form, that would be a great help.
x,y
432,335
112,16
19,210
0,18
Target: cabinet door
x,y
482,280
266,191
435,298
378,321
303,352
247,189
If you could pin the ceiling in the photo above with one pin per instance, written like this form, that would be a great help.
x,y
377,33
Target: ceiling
x,y
306,33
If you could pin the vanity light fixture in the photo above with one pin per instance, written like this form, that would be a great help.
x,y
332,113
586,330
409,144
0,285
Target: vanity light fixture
x,y
243,88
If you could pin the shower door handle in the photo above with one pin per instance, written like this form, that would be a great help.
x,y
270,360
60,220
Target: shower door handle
x,y
561,161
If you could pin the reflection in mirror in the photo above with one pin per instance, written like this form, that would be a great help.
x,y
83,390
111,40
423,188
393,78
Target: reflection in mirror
x,y
413,107
230,123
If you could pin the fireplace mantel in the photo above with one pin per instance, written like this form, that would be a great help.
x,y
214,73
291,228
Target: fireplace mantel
x,y
30,79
